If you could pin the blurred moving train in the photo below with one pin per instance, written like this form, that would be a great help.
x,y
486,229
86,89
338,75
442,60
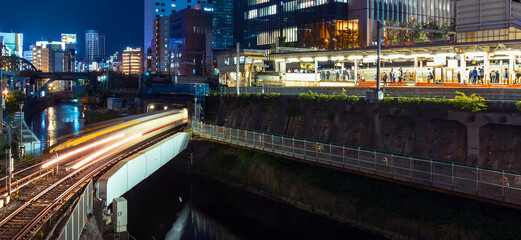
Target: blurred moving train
x,y
157,123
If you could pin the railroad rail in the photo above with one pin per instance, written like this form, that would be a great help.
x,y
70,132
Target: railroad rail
x,y
29,218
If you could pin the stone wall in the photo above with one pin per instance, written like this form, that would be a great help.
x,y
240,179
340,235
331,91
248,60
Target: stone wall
x,y
491,139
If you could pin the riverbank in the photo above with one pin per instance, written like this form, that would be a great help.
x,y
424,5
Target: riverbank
x,y
390,210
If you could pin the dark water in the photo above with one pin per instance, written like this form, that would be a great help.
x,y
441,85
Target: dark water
x,y
62,119
170,205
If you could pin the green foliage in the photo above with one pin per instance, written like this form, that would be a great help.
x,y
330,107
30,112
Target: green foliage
x,y
258,95
518,105
348,38
341,97
271,96
13,100
245,95
473,102
353,99
308,96
324,98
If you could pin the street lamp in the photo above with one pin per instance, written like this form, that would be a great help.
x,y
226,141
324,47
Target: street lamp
x,y
21,135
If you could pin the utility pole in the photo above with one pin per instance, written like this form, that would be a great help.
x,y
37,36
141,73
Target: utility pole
x,y
9,170
379,44
238,69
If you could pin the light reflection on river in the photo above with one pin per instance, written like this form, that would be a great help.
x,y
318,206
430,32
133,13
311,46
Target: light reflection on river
x,y
62,119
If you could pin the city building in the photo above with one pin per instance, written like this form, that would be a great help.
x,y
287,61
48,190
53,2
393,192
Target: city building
x,y
162,8
159,58
222,24
251,62
28,55
132,61
13,43
49,56
94,46
319,22
43,58
190,42
488,20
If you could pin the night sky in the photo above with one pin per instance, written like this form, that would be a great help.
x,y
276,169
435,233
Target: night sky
x,y
120,20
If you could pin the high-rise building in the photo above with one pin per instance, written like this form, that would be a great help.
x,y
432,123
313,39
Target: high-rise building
x,y
222,24
132,61
160,50
162,8
190,31
14,42
260,23
94,46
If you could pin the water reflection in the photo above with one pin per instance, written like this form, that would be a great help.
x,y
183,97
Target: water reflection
x,y
201,226
173,206
56,121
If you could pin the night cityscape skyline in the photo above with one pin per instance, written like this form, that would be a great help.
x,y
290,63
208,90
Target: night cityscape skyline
x,y
44,21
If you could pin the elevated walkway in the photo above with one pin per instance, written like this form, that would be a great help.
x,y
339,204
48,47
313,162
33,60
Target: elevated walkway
x,y
472,182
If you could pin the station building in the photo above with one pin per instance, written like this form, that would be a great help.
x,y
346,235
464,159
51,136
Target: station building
x,y
487,39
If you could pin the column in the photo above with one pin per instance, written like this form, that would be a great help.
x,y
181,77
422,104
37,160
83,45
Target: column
x,y
486,68
415,69
511,66
356,71
316,73
463,67
472,141
421,71
342,71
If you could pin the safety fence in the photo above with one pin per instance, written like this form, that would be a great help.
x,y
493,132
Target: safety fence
x,y
491,94
484,183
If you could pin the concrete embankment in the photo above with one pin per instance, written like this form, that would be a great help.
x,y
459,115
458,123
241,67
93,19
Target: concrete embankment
x,y
387,209
489,139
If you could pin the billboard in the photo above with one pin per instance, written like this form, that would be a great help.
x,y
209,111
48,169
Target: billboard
x,y
68,38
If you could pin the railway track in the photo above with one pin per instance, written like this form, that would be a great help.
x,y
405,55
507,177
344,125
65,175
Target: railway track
x,y
28,219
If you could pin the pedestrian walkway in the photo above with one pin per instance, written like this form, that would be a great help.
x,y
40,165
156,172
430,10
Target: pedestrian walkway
x,y
473,182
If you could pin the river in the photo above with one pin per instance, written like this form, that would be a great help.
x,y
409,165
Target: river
x,y
55,122
173,206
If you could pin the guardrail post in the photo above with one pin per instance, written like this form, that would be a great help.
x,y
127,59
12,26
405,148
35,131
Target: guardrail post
x,y
254,139
282,145
305,150
477,180
374,164
330,155
432,173
392,165
410,168
343,156
504,183
452,175
293,146
263,140
316,152
358,159
272,147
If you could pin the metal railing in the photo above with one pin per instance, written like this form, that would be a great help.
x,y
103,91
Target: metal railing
x,y
484,183
494,94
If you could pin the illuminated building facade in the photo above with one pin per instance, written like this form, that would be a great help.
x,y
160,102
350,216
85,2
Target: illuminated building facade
x,y
162,8
318,22
13,43
158,59
94,46
132,61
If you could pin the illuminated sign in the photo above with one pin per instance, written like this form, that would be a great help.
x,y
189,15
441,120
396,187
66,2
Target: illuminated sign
x,y
68,38
207,9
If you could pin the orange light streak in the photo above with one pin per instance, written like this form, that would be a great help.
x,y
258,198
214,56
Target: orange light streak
x,y
50,163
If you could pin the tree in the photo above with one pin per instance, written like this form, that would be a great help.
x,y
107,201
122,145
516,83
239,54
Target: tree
x,y
348,38
13,100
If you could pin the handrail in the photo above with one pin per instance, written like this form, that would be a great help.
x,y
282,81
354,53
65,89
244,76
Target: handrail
x,y
496,185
